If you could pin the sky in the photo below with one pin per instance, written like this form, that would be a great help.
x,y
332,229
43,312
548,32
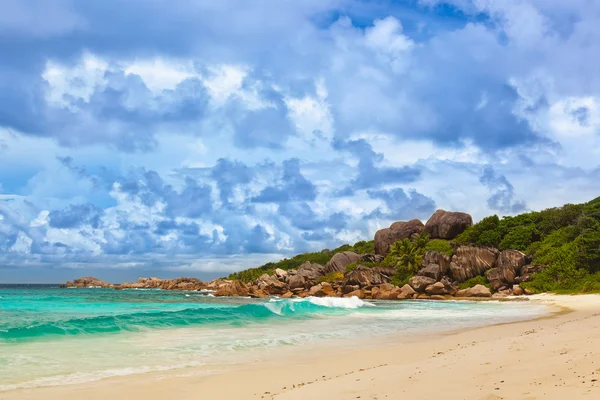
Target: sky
x,y
200,137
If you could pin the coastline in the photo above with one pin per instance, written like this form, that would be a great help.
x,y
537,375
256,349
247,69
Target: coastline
x,y
548,357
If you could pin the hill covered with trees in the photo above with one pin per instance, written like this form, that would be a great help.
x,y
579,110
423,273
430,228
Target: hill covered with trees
x,y
562,243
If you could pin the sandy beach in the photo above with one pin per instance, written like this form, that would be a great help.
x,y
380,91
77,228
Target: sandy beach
x,y
550,358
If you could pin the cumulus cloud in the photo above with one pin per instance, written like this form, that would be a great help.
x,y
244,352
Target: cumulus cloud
x,y
234,128
503,192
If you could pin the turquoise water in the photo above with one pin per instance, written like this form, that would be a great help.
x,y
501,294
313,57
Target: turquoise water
x,y
53,336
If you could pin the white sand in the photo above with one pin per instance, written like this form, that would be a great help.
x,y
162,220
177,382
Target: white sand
x,y
549,358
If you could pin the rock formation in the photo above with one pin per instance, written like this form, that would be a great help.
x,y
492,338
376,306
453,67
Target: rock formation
x,y
475,291
420,283
384,238
165,284
339,261
88,282
365,276
447,225
469,262
508,267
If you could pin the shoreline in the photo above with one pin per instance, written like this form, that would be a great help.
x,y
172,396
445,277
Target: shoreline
x,y
387,368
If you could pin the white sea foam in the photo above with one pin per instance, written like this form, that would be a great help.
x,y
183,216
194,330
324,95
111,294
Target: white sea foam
x,y
337,302
84,377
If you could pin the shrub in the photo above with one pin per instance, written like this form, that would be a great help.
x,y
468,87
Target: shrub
x,y
331,277
519,238
478,280
441,246
250,275
364,247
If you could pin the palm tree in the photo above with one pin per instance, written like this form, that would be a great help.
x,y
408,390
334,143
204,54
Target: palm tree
x,y
420,239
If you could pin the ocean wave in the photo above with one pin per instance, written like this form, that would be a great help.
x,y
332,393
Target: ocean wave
x,y
337,302
192,314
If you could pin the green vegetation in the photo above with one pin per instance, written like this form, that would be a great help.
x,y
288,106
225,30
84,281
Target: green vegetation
x,y
331,277
441,246
321,257
565,239
478,280
405,255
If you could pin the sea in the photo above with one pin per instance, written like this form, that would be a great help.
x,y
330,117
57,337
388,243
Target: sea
x,y
53,336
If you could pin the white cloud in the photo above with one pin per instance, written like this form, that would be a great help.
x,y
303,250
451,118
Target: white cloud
x,y
22,244
160,74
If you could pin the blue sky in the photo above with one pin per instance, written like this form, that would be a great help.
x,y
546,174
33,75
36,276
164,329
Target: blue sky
x,y
198,138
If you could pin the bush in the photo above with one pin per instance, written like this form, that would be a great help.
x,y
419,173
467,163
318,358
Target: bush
x,y
519,238
250,275
331,277
478,280
364,247
441,246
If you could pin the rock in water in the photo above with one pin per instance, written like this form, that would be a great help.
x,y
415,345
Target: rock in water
x,y
89,281
339,261
384,238
469,262
447,225
232,288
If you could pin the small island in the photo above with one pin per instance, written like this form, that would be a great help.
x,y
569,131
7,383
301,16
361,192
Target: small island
x,y
448,257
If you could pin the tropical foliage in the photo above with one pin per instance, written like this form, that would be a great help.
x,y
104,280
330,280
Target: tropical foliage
x,y
405,255
565,239
320,257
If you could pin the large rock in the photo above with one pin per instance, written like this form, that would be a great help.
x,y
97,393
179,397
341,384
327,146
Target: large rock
x,y
232,288
508,266
365,276
281,274
435,257
339,261
384,238
322,290
441,288
420,283
469,262
447,225
528,272
475,291
87,282
165,284
406,292
299,281
306,275
269,284
357,293
433,271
